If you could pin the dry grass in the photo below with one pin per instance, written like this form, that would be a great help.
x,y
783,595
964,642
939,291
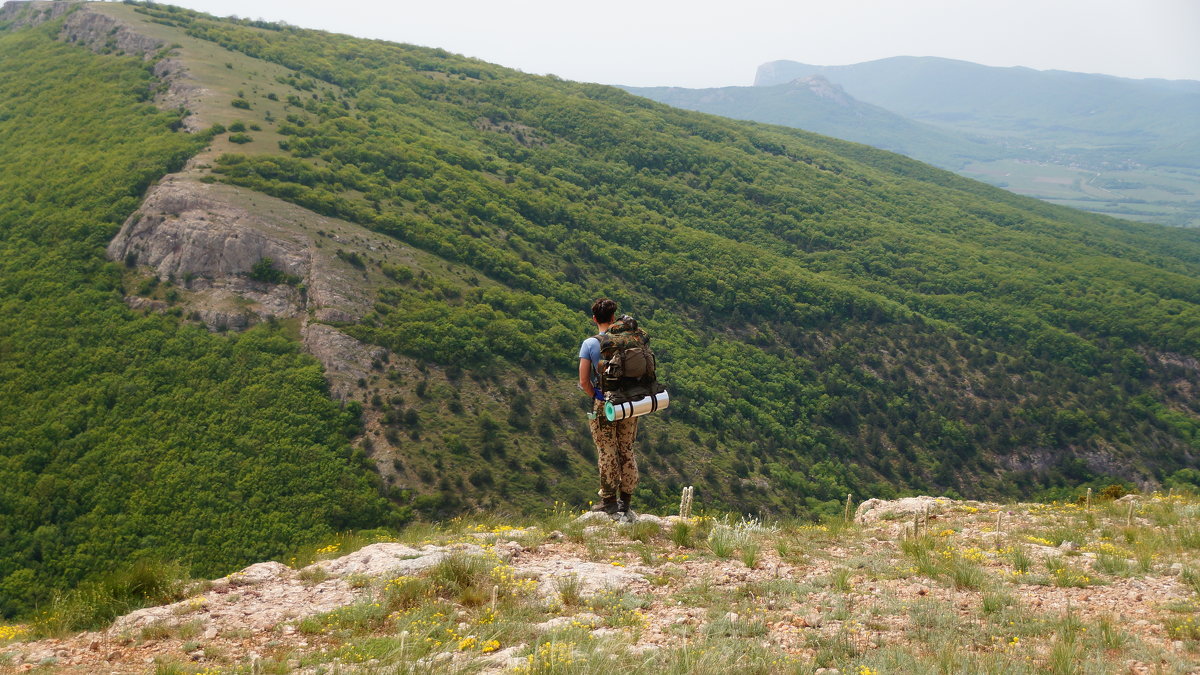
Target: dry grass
x,y
732,595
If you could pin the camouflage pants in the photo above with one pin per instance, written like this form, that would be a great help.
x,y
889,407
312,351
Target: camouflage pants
x,y
614,451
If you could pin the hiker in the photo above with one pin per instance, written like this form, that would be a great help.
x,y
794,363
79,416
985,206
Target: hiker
x,y
614,440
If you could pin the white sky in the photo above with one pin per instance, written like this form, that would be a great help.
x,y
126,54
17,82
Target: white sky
x,y
710,44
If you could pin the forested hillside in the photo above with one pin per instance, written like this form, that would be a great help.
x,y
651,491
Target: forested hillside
x,y
865,321
122,435
830,318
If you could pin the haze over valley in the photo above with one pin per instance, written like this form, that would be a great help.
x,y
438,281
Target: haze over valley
x,y
1109,145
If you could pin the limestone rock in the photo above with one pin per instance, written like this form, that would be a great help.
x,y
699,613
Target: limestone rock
x,y
100,32
390,559
594,518
255,574
873,510
653,519
185,229
345,359
593,577
585,619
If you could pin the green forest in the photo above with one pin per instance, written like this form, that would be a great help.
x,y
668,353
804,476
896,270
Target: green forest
x,y
830,318
125,436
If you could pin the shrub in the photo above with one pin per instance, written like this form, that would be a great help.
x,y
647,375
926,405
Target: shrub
x,y
239,138
93,604
749,553
1113,492
570,591
395,273
681,534
723,540
353,258
264,270
241,103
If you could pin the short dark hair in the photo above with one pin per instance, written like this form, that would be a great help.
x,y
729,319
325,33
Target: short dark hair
x,y
603,309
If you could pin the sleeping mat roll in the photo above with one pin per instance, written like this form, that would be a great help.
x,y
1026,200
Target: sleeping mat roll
x,y
642,406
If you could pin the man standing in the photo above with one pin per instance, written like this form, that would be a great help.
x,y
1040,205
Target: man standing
x,y
614,440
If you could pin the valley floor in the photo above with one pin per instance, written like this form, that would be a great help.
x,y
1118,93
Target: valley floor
x,y
913,585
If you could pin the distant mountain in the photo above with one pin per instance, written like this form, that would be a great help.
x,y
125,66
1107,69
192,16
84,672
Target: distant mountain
x,y
1120,147
815,104
1098,118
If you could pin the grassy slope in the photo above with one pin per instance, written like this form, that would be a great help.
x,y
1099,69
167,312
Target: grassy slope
x,y
123,435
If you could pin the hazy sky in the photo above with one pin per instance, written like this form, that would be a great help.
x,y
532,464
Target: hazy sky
x,y
710,44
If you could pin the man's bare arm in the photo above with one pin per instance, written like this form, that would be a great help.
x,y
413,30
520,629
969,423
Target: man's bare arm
x,y
585,377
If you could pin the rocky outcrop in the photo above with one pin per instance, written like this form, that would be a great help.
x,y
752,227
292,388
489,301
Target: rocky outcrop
x,y
874,510
825,89
345,359
265,594
102,33
187,234
183,92
24,14
182,231
209,237
92,29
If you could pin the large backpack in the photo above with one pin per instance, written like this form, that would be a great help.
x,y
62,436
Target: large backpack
x,y
627,367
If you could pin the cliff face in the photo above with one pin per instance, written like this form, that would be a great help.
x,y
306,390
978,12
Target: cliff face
x,y
100,32
185,230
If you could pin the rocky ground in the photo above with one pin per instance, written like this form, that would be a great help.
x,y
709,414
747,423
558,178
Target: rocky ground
x,y
923,584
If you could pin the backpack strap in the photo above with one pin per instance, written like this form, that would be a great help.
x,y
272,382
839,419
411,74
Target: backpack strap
x,y
600,339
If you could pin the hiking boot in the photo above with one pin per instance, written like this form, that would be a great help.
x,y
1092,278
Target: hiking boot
x,y
625,497
608,506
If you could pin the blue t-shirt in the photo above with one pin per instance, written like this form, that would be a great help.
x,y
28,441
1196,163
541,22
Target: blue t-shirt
x,y
590,350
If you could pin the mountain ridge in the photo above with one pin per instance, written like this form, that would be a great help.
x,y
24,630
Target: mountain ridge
x,y
815,104
767,76
964,94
